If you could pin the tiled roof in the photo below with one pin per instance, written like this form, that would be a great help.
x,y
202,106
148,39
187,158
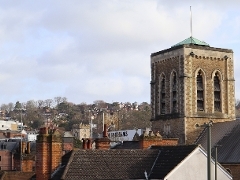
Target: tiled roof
x,y
110,164
168,158
65,158
125,163
128,145
16,175
191,40
226,135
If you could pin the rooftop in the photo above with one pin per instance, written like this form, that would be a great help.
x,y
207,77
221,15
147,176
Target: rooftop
x,y
226,136
191,40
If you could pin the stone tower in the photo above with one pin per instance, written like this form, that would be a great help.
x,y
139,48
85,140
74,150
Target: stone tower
x,y
191,84
48,153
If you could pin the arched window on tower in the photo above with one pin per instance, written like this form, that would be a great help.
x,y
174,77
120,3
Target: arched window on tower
x,y
217,92
162,95
200,92
174,92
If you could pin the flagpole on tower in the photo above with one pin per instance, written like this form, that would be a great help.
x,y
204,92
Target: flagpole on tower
x,y
191,20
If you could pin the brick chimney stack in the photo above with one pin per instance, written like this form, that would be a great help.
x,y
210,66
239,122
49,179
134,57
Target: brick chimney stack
x,y
148,139
104,142
48,153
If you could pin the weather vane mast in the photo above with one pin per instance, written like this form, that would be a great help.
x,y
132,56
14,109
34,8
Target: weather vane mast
x,y
191,21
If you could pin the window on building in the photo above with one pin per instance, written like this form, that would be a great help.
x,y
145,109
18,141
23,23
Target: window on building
x,y
200,92
217,93
162,96
174,92
0,158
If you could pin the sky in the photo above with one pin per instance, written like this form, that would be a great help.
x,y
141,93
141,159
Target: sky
x,y
87,50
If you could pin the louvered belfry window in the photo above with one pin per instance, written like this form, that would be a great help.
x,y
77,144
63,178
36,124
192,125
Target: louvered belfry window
x,y
217,93
174,93
162,96
200,92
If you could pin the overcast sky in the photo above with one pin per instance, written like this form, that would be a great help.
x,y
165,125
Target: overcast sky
x,y
87,50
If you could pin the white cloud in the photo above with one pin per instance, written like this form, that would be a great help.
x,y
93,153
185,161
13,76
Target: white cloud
x,y
88,50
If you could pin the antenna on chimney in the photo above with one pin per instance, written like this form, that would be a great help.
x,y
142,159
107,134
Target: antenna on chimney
x,y
191,23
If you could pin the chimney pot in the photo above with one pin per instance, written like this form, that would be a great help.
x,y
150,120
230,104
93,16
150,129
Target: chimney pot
x,y
28,147
89,144
84,143
105,130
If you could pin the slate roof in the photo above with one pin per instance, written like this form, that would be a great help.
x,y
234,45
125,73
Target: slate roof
x,y
10,146
124,163
191,40
226,135
65,158
110,164
168,158
128,145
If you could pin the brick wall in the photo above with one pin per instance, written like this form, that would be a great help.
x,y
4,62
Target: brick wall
x,y
6,160
48,153
234,169
151,141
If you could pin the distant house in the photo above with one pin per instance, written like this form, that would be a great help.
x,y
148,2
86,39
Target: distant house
x,y
81,131
31,135
9,125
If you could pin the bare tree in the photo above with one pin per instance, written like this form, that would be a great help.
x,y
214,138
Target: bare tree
x,y
40,103
31,104
10,107
48,102
59,100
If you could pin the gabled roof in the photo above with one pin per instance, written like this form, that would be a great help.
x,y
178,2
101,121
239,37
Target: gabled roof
x,y
110,164
226,135
168,158
191,40
155,163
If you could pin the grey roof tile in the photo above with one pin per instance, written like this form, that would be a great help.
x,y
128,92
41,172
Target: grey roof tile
x,y
226,135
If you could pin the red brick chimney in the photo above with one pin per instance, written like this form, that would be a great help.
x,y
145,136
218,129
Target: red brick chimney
x,y
89,143
104,142
48,153
28,148
151,139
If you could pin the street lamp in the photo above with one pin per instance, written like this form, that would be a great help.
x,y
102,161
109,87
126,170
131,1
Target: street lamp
x,y
92,117
208,125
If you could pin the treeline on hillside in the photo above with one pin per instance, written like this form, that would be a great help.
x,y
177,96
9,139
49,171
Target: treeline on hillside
x,y
64,114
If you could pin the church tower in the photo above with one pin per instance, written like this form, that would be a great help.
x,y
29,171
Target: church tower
x,y
191,84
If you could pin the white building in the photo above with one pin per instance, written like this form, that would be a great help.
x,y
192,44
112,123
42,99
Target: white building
x,y
123,135
9,125
31,136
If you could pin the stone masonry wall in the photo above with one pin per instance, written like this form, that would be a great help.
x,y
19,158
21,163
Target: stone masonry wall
x,y
187,61
165,64
171,128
